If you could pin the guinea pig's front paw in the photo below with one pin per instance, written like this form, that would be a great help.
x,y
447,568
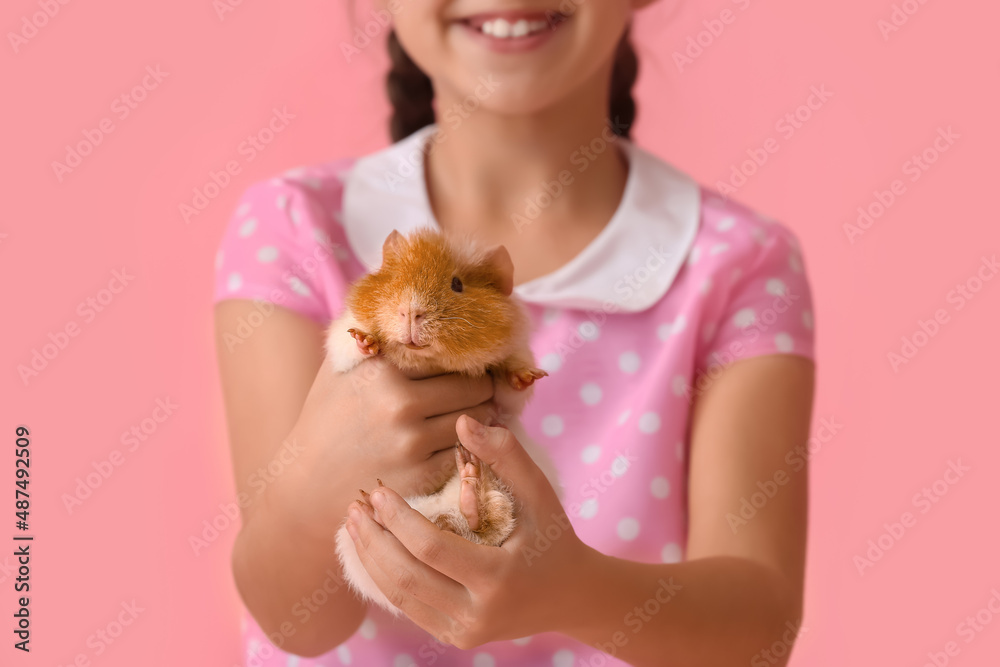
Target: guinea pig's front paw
x,y
367,343
522,378
484,501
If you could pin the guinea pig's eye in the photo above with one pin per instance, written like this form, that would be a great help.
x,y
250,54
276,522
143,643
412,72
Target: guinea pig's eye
x,y
456,284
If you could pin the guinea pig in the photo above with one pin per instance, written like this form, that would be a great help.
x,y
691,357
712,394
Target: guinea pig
x,y
439,304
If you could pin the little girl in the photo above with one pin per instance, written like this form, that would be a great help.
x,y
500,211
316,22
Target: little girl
x,y
676,328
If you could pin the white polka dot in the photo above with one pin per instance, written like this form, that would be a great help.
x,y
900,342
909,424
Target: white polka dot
x,y
588,508
795,263
267,254
708,331
367,629
253,647
218,260
296,216
679,384
403,660
322,237
550,315
784,342
669,329
248,227
293,661
590,453
344,653
523,641
243,209
620,466
807,319
235,282
282,201
776,287
660,487
680,451
623,417
552,425
483,660
551,362
706,285
725,224
759,235
649,422
298,286
563,658
694,255
744,318
628,528
589,331
590,393
719,248
628,362
671,553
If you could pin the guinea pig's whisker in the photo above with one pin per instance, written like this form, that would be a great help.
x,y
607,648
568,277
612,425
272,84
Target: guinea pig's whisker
x,y
463,319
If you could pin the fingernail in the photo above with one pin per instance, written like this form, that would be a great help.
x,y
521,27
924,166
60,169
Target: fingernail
x,y
378,498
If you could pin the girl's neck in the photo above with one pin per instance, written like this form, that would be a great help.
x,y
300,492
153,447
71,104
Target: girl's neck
x,y
488,168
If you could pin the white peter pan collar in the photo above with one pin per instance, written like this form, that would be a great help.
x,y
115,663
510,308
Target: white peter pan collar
x,y
628,266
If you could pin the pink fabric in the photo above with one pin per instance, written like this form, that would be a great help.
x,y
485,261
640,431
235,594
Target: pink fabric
x,y
614,412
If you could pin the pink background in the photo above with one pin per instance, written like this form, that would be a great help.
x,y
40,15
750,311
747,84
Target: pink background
x,y
60,243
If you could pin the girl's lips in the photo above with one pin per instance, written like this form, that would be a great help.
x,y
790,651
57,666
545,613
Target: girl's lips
x,y
512,31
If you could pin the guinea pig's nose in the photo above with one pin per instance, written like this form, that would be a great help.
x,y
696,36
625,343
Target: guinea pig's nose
x,y
408,314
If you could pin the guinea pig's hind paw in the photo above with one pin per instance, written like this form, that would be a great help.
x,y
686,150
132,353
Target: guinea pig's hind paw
x,y
366,343
524,377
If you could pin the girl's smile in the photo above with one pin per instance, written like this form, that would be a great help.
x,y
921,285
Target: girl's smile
x,y
512,31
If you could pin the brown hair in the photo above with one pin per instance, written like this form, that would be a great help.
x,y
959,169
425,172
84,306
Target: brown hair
x,y
411,93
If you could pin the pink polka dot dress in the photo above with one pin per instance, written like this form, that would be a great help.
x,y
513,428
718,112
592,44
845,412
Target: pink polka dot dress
x,y
680,284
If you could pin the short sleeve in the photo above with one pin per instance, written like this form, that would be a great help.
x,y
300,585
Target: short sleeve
x,y
279,246
768,309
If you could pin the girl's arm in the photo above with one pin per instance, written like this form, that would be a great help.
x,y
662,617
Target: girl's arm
x,y
739,593
266,378
304,439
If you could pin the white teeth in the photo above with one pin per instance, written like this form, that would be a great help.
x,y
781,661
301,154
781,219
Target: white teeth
x,y
503,28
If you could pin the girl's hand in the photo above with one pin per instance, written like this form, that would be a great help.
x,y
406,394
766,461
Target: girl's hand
x,y
375,421
466,594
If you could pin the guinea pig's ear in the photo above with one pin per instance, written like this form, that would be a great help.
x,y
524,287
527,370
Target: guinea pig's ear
x,y
392,244
502,268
